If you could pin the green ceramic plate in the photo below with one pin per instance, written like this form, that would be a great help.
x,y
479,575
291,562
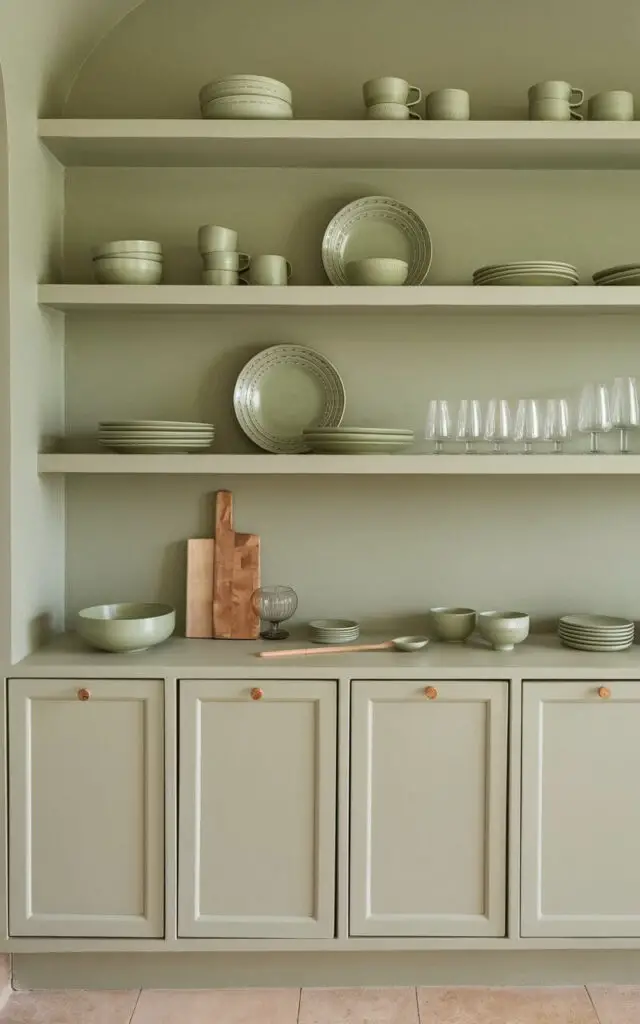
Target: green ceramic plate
x,y
359,447
284,390
376,226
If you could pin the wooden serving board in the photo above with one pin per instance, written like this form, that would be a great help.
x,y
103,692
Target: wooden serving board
x,y
200,588
222,574
236,574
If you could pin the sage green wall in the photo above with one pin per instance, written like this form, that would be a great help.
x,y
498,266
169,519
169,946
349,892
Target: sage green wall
x,y
383,549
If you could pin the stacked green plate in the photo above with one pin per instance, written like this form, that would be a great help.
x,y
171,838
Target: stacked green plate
x,y
155,436
596,632
333,631
527,273
357,440
623,274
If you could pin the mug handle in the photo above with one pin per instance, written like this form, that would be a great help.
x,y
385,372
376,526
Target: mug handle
x,y
289,269
580,94
415,116
575,116
243,258
418,99
243,280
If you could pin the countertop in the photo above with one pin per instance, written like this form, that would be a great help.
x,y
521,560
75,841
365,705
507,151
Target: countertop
x,y
541,656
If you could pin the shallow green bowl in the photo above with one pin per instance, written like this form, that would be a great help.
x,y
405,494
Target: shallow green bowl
x,y
125,628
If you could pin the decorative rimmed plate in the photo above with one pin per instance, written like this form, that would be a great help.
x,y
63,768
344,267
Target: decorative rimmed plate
x,y
284,390
376,226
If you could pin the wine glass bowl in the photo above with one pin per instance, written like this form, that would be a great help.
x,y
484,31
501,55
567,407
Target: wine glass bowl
x,y
497,425
557,423
438,428
594,414
469,428
527,425
274,605
625,409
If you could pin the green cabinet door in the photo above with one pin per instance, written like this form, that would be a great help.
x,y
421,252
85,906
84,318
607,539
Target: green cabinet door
x,y
257,809
428,808
86,808
580,809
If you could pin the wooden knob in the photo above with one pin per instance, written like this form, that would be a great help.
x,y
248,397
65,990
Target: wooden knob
x,y
84,694
257,693
604,692
430,692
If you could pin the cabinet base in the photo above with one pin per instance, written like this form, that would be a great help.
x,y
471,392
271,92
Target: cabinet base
x,y
269,970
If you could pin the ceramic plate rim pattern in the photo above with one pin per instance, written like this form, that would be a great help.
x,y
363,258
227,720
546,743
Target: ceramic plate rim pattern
x,y
279,90
589,620
337,232
248,382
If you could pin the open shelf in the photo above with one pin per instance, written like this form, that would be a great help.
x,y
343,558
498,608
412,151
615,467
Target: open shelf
x,y
587,145
345,465
439,298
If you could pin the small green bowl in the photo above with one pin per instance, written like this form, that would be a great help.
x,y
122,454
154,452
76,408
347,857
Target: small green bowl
x,y
126,628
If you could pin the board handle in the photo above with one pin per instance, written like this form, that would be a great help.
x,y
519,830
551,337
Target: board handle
x,y
340,649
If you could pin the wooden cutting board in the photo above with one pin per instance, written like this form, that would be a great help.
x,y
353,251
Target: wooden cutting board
x,y
200,588
236,574
225,611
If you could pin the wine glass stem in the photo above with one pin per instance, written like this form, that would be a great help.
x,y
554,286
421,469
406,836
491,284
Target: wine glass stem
x,y
469,448
497,448
557,447
528,448
595,446
624,440
439,448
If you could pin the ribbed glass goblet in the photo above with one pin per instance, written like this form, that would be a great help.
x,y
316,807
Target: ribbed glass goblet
x,y
274,605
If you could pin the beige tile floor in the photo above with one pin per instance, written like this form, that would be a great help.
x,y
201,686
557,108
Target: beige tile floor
x,y
597,1004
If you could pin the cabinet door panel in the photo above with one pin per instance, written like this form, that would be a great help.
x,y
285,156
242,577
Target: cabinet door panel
x,y
86,821
428,809
580,809
257,809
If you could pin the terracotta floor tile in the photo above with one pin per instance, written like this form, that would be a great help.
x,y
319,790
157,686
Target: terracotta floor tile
x,y
222,1006
358,1006
616,1004
70,1007
505,1005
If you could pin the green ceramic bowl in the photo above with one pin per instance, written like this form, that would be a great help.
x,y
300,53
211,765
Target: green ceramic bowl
x,y
125,628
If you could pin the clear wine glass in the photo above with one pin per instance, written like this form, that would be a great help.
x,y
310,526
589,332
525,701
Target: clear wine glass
x,y
557,423
527,427
625,409
438,427
594,414
469,427
497,425
274,605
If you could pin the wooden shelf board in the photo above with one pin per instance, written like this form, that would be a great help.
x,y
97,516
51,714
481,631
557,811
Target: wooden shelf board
x,y
439,298
343,465
589,145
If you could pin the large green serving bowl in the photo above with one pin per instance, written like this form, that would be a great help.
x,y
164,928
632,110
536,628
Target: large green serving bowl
x,y
125,628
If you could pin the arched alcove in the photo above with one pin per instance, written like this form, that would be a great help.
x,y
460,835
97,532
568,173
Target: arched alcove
x,y
154,60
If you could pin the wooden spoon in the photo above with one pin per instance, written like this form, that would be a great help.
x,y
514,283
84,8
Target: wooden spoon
x,y
401,643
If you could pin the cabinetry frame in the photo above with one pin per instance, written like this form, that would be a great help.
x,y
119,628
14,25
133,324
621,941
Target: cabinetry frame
x,y
51,665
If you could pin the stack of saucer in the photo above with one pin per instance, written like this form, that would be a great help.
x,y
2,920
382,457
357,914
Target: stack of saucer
x,y
595,632
624,273
246,96
333,631
357,440
155,436
527,273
